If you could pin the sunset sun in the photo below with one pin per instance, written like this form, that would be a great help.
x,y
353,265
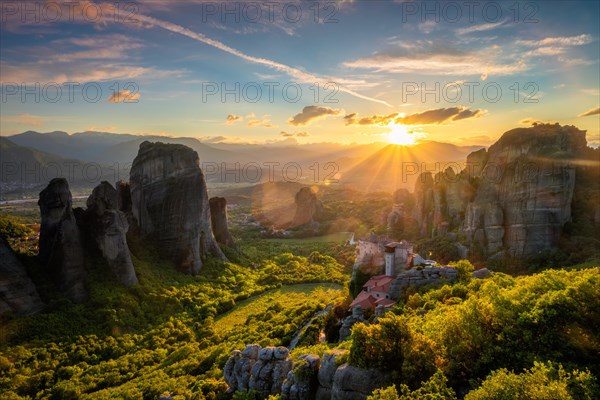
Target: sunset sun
x,y
399,135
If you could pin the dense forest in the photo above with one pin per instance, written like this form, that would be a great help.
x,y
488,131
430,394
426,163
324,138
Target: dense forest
x,y
529,337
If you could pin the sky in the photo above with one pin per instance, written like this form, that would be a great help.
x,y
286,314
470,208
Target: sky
x,y
305,72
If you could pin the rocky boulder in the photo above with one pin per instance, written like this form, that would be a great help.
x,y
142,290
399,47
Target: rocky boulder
x,y
108,229
346,329
329,364
17,292
218,217
352,383
302,382
61,251
170,204
256,368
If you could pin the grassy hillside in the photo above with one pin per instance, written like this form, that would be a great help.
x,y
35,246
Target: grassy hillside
x,y
172,333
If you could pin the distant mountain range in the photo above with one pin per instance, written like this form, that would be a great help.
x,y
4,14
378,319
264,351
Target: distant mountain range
x,y
366,166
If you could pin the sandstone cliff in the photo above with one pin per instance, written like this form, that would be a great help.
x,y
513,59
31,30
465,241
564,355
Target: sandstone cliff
x,y
307,207
17,292
61,251
170,204
513,198
108,230
218,217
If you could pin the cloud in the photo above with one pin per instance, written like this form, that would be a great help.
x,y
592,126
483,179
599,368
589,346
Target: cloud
x,y
124,96
559,41
352,119
440,115
292,134
591,92
439,57
428,26
232,119
480,28
576,62
300,75
311,113
254,122
590,112
24,119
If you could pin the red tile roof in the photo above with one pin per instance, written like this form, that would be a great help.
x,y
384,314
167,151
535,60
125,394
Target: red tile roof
x,y
379,283
367,300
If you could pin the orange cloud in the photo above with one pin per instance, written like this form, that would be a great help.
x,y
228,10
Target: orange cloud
x,y
124,96
25,119
312,113
590,112
232,119
352,119
440,115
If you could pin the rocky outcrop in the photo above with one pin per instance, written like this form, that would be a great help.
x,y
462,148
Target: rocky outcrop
x,y
526,190
238,367
17,292
513,199
108,229
170,204
61,251
416,277
218,217
424,203
307,207
302,382
256,368
123,196
270,371
352,383
329,364
346,329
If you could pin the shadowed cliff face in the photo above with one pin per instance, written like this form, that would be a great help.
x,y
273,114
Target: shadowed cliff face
x,y
61,250
108,228
170,204
218,215
514,198
17,292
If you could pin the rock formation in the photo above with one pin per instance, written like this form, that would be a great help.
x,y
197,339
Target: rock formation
x,y
124,196
310,377
329,364
307,207
170,204
418,277
352,383
218,217
17,292
526,188
108,229
346,329
424,203
256,368
302,381
514,198
61,251
237,368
